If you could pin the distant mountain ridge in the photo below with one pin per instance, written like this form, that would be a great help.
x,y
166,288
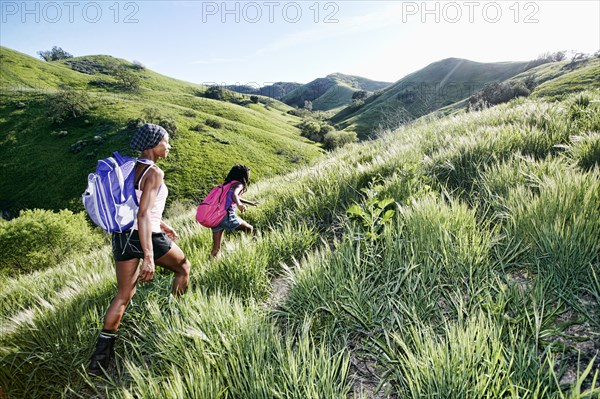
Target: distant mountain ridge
x,y
437,85
332,91
276,90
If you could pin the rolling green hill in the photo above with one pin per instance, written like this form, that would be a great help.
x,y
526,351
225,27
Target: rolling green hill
x,y
568,79
42,167
331,91
553,80
435,86
276,90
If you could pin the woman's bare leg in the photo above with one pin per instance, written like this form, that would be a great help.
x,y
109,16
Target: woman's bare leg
x,y
176,261
127,275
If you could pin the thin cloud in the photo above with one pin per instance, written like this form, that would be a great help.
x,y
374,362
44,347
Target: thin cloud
x,y
345,27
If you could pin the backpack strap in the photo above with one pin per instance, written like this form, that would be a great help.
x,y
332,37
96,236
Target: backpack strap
x,y
137,182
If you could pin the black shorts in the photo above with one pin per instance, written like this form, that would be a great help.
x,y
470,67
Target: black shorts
x,y
132,249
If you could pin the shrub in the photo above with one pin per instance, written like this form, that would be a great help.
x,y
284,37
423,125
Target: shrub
x,y
127,79
360,95
169,124
138,65
151,114
154,115
314,130
254,99
356,105
310,129
302,113
213,123
335,139
133,124
39,239
67,104
497,93
215,92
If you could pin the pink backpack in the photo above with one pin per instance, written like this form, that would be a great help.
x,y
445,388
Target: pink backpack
x,y
212,210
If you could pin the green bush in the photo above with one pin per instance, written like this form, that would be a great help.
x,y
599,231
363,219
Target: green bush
x,y
216,93
335,139
497,93
154,115
67,104
214,123
315,129
127,79
39,239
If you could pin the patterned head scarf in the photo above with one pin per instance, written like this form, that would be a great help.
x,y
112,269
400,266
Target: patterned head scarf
x,y
147,136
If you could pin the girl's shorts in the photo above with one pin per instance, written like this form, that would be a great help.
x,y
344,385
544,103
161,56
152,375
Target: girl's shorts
x,y
229,223
132,249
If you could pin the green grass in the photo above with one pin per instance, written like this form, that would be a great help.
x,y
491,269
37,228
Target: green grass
x,y
583,77
485,283
264,138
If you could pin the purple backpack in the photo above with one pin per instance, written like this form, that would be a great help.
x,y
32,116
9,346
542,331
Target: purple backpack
x,y
212,210
110,198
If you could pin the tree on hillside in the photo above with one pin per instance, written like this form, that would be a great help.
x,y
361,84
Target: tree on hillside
x,y
67,104
127,78
138,65
497,93
314,129
546,58
215,92
577,59
360,95
55,54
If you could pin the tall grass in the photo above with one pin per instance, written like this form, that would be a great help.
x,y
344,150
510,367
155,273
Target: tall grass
x,y
559,227
196,351
485,283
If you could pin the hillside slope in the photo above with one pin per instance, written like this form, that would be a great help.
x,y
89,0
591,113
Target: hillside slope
x,y
453,258
332,91
570,78
437,85
41,167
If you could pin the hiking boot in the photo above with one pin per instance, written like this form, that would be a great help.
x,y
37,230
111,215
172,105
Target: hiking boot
x,y
102,355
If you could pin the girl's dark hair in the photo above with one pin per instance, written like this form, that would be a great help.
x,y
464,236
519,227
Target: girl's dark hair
x,y
240,173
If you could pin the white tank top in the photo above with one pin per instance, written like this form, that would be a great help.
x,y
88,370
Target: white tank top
x,y
159,204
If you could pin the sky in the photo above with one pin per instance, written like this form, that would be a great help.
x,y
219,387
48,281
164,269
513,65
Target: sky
x,y
261,42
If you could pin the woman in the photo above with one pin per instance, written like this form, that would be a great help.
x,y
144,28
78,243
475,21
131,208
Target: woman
x,y
150,239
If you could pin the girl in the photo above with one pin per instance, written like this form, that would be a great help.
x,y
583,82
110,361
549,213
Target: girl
x,y
241,174
150,239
